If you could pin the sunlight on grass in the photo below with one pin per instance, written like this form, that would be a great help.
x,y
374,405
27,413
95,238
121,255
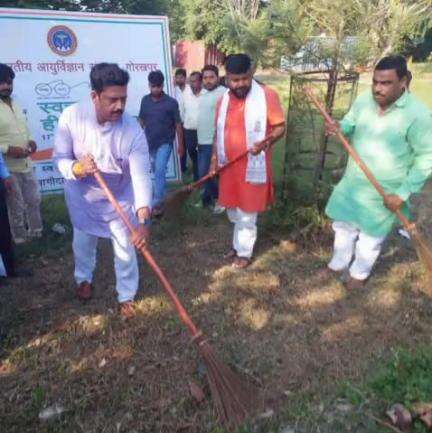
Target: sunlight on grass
x,y
153,305
253,315
205,298
7,368
92,324
258,281
352,325
78,365
321,297
386,298
223,273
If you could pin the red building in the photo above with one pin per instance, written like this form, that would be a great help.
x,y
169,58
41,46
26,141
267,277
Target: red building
x,y
193,55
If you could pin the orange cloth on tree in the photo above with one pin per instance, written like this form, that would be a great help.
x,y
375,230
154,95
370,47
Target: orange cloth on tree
x,y
234,191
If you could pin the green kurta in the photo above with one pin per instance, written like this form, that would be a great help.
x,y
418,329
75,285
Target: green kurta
x,y
397,148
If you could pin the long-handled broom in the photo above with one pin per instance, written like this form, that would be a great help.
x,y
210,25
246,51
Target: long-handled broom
x,y
234,399
424,251
177,198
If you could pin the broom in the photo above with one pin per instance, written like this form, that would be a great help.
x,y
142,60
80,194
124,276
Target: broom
x,y
176,198
422,248
234,400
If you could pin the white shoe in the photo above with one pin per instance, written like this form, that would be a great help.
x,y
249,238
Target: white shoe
x,y
404,233
19,241
218,209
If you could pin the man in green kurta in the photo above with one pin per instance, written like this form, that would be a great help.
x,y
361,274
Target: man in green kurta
x,y
392,132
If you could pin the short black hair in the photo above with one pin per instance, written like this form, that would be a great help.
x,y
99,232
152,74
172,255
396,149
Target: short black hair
x,y
107,74
180,71
212,68
196,73
156,78
409,77
6,73
396,62
238,63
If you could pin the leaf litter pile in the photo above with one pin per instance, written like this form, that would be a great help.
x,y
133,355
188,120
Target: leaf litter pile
x,y
72,367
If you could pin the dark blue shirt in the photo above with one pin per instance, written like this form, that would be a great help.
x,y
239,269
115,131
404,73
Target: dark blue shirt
x,y
160,118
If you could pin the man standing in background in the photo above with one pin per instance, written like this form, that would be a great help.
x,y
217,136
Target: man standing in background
x,y
160,117
206,133
180,87
6,247
190,108
16,145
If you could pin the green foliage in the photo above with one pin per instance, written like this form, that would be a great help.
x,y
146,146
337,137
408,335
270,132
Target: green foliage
x,y
268,30
38,397
69,5
138,7
406,378
204,20
135,7
306,222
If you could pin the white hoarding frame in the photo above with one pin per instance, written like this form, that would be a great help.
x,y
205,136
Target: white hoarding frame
x,y
51,75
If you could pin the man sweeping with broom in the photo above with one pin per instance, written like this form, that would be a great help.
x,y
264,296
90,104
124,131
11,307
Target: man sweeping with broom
x,y
249,117
99,134
391,130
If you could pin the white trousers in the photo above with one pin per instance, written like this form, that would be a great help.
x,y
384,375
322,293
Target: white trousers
x,y
125,262
245,231
350,242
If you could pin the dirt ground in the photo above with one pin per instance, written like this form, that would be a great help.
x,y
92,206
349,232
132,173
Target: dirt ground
x,y
294,334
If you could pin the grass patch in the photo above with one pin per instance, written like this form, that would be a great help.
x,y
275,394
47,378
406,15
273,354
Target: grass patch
x,y
406,378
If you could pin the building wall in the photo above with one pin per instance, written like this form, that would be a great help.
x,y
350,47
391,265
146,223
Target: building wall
x,y
193,55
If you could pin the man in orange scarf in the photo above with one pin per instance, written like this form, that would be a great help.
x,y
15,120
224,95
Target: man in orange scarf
x,y
249,116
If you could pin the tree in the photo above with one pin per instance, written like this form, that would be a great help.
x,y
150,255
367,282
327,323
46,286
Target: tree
x,y
379,26
134,7
70,5
138,7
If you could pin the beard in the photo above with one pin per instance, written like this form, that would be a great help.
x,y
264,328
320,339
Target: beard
x,y
241,92
5,93
210,88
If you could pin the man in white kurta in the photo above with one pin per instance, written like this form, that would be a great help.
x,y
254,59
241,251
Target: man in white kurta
x,y
99,133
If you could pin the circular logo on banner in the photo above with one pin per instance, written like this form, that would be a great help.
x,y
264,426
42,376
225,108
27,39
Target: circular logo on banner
x,y
62,40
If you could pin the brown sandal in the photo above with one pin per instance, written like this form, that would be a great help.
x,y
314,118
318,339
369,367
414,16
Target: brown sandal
x,y
241,263
127,310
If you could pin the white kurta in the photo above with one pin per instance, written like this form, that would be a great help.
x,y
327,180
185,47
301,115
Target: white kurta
x,y
121,152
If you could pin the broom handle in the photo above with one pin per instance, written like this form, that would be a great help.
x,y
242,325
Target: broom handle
x,y
149,258
355,156
220,169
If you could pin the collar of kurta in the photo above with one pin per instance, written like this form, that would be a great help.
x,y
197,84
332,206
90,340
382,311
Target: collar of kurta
x,y
162,98
401,102
12,102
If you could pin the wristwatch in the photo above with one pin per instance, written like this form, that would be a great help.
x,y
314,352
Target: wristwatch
x,y
145,221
